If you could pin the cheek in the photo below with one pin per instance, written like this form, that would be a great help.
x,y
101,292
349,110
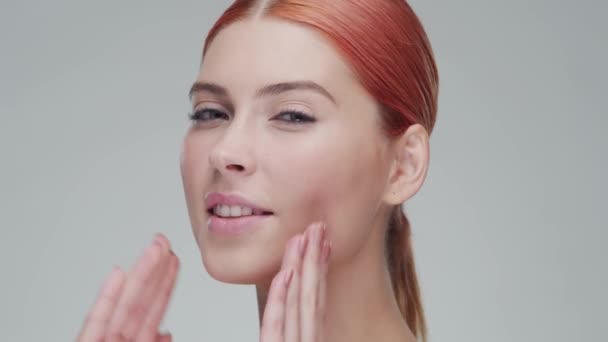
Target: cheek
x,y
302,185
340,184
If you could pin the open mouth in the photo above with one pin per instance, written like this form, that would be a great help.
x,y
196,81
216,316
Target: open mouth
x,y
235,211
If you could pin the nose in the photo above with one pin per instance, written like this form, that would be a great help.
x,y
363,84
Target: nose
x,y
233,154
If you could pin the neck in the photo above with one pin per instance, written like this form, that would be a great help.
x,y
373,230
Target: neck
x,y
359,308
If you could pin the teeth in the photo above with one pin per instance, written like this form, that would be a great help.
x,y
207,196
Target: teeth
x,y
235,211
232,211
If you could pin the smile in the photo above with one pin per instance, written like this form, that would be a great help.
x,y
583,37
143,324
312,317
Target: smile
x,y
236,211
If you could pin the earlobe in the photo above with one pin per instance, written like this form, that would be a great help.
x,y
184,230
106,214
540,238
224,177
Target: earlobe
x,y
410,165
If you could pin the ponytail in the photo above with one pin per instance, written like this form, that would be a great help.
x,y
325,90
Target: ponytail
x,y
403,273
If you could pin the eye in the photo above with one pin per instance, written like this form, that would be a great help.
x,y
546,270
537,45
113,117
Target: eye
x,y
207,114
295,117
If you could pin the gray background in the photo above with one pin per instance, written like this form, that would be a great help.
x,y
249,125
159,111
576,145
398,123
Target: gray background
x,y
509,228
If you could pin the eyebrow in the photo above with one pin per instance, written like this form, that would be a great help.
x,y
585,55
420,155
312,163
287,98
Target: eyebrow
x,y
272,89
212,88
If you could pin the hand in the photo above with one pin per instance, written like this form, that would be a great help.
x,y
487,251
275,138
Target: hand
x,y
295,308
130,306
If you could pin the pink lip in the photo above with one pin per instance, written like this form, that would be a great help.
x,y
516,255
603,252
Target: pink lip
x,y
235,226
231,226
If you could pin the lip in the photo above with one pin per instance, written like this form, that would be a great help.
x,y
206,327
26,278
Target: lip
x,y
233,226
218,198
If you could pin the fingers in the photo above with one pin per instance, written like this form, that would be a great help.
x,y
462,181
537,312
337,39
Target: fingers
x,y
152,292
160,302
312,268
131,307
294,312
98,318
322,286
274,312
293,259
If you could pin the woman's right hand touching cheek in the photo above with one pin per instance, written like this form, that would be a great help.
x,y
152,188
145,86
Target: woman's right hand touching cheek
x,y
295,308
130,306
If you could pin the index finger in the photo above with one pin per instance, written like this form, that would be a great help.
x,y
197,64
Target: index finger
x,y
149,327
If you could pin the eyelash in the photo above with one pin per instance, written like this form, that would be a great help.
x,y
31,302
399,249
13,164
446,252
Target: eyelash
x,y
197,116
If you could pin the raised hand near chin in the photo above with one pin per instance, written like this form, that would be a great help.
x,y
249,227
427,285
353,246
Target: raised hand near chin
x,y
295,307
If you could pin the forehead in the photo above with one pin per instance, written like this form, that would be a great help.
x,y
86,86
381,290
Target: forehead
x,y
255,52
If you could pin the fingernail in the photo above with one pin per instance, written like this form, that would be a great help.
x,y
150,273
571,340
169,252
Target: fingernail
x,y
288,277
323,231
326,251
303,244
113,275
300,243
157,239
320,237
152,249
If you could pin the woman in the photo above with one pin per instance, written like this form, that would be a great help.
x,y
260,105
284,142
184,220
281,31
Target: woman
x,y
311,124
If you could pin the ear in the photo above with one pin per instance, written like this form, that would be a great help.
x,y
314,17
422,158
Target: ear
x,y
410,164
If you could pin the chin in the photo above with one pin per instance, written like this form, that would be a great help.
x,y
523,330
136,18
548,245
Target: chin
x,y
241,264
253,257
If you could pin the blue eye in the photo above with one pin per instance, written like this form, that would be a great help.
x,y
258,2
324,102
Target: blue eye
x,y
295,117
207,114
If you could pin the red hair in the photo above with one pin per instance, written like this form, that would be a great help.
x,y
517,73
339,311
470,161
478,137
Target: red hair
x,y
387,47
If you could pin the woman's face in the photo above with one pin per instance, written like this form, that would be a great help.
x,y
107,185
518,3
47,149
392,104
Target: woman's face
x,y
283,123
